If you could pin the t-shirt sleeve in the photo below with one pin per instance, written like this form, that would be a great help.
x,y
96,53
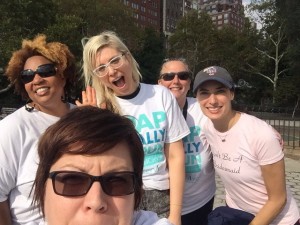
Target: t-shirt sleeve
x,y
268,145
8,145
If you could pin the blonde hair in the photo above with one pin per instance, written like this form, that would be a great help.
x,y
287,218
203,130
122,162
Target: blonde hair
x,y
105,95
56,52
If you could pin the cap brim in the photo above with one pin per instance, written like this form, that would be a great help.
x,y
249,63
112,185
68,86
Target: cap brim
x,y
220,80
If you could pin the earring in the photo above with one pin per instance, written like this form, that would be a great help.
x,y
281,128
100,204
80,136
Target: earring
x,y
28,107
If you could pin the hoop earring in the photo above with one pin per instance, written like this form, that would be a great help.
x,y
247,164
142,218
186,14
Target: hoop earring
x,y
29,108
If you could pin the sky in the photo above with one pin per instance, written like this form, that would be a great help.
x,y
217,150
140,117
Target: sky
x,y
245,2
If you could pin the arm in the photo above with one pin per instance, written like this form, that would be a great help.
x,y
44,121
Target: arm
x,y
274,178
5,218
175,159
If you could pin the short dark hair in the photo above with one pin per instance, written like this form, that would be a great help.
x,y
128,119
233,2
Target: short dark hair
x,y
98,130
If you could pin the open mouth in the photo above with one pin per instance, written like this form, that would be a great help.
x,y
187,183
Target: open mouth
x,y
120,82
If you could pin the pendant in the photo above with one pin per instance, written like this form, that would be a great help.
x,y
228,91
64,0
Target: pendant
x,y
223,140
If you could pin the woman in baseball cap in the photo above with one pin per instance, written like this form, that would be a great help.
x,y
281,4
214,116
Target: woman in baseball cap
x,y
246,152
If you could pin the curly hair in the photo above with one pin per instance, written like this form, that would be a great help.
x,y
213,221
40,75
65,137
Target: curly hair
x,y
56,52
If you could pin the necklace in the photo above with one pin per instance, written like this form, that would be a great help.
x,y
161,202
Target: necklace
x,y
222,137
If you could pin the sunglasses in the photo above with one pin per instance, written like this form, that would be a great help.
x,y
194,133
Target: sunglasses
x,y
46,70
74,184
183,75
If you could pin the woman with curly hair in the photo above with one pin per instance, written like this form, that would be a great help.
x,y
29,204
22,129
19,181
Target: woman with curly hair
x,y
42,74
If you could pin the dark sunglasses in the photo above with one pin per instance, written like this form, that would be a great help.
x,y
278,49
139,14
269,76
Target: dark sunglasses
x,y
73,184
46,70
183,75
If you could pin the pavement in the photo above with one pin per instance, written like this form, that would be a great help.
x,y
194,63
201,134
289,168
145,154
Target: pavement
x,y
292,171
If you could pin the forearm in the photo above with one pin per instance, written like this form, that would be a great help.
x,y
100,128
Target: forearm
x,y
177,178
5,218
269,211
274,178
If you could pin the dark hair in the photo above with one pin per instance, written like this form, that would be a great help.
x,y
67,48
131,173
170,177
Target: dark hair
x,y
56,52
97,130
183,60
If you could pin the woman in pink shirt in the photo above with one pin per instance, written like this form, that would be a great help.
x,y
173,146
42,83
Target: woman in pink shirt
x,y
246,152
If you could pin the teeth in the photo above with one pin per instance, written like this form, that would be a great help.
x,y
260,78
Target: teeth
x,y
213,109
41,90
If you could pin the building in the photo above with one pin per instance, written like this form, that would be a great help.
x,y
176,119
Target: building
x,y
146,12
222,12
172,11
163,15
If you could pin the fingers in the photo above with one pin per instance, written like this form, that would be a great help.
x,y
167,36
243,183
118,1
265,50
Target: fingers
x,y
88,97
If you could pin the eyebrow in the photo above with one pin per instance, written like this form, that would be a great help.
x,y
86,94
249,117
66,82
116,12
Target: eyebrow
x,y
108,60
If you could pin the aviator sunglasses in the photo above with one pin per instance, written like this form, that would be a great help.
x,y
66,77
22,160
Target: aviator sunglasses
x,y
45,70
183,75
74,184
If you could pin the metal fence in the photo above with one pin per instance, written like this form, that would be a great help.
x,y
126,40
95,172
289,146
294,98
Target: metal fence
x,y
289,128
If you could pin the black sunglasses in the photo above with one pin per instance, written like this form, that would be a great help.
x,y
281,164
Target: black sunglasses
x,y
73,184
46,70
183,75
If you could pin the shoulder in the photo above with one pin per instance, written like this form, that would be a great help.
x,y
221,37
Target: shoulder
x,y
155,87
193,104
255,124
15,118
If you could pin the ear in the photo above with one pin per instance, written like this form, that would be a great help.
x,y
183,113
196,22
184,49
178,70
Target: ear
x,y
231,95
159,81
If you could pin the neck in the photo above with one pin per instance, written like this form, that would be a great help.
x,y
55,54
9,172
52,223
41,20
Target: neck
x,y
226,124
58,110
181,102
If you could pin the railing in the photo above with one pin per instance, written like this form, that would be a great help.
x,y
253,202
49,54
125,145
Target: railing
x,y
4,111
288,128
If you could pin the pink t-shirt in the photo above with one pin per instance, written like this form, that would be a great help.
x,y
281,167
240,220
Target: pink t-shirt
x,y
238,155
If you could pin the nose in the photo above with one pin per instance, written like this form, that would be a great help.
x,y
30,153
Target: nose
x,y
37,79
110,71
176,79
96,200
212,98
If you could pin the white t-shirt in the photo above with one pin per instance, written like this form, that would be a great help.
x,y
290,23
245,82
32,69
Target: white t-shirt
x,y
200,184
142,217
19,134
249,144
158,120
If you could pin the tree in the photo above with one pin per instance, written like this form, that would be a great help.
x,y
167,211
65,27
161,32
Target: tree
x,y
151,55
289,10
95,16
194,40
19,20
272,47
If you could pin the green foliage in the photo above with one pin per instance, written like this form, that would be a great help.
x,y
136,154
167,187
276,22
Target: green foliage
x,y
151,55
95,16
289,10
194,40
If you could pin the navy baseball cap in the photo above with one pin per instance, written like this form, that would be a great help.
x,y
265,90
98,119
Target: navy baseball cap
x,y
213,73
